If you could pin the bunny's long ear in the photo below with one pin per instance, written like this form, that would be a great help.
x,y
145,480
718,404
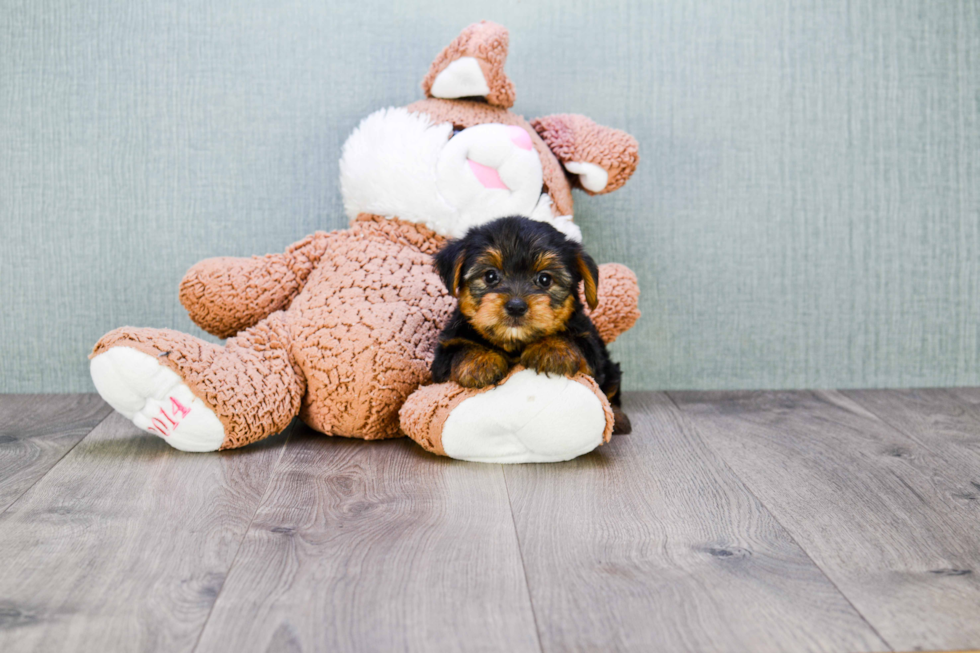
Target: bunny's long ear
x,y
473,66
598,159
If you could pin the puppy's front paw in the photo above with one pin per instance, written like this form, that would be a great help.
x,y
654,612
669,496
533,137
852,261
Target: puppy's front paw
x,y
554,355
478,368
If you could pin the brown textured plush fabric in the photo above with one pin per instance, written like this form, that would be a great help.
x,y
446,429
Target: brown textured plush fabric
x,y
619,299
364,307
252,384
577,138
225,295
466,113
425,412
365,333
487,43
352,344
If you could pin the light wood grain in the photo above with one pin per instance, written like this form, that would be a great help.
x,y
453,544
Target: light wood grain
x,y
873,507
810,521
376,546
36,431
942,419
125,544
653,544
968,396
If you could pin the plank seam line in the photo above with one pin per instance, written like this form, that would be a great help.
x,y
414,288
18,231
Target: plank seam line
x,y
686,422
56,463
248,529
520,553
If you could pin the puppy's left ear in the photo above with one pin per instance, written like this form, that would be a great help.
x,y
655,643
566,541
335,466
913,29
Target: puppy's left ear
x,y
590,278
598,159
449,264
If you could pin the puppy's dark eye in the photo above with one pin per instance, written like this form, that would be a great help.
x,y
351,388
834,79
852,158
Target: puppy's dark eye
x,y
491,277
544,280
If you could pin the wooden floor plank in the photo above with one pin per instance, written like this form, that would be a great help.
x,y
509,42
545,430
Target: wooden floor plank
x,y
652,544
125,544
969,396
941,419
876,509
36,431
376,546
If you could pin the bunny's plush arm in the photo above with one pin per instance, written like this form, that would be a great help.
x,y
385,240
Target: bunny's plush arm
x,y
226,295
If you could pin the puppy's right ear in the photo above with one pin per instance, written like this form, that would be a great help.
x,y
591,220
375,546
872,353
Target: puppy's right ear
x,y
449,263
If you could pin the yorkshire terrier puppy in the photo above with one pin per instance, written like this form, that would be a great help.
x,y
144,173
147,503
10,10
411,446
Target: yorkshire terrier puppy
x,y
517,284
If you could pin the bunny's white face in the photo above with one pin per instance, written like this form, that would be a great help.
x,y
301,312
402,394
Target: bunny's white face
x,y
399,164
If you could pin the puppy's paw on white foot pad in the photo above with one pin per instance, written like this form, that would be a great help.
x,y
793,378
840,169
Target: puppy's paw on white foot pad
x,y
531,418
155,399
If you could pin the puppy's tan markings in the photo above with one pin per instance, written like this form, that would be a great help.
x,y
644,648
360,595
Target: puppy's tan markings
x,y
544,319
566,310
492,258
546,261
490,319
554,355
468,304
478,367
590,282
457,274
455,342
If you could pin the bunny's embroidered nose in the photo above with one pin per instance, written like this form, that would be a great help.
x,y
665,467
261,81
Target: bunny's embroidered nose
x,y
520,137
486,175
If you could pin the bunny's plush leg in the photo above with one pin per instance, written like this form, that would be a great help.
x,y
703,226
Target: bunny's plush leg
x,y
527,418
198,396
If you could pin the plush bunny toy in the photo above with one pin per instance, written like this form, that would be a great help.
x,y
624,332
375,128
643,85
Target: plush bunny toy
x,y
340,329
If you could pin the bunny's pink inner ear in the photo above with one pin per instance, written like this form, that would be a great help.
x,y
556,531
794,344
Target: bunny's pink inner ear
x,y
473,65
598,159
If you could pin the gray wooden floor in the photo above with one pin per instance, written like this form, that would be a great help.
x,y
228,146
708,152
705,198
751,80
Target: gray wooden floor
x,y
750,521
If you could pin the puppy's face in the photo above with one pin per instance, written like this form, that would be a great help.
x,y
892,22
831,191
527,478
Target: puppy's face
x,y
516,279
515,295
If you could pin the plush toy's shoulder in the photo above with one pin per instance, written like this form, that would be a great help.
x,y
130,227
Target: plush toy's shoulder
x,y
399,232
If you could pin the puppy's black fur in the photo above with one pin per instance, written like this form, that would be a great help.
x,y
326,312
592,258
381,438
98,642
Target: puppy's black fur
x,y
517,282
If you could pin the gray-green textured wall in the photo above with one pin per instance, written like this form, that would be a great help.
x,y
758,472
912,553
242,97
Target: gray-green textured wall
x,y
806,211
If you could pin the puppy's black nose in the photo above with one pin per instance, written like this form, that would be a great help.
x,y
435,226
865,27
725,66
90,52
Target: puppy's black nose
x,y
515,307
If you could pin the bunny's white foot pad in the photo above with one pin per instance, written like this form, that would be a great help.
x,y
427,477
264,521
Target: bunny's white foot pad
x,y
531,418
156,399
